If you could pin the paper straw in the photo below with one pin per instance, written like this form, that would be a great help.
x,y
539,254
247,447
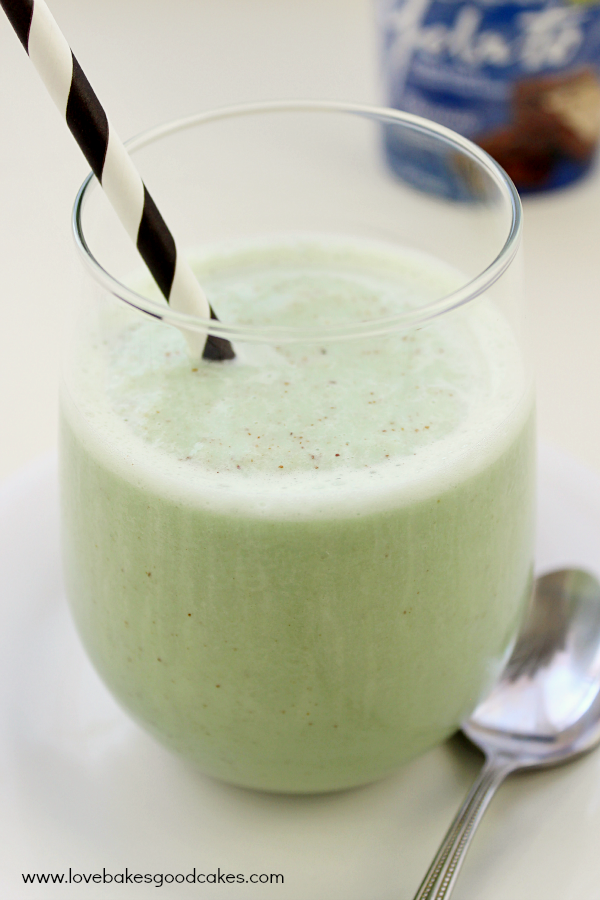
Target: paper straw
x,y
111,164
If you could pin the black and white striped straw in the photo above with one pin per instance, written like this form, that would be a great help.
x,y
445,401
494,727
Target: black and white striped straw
x,y
111,164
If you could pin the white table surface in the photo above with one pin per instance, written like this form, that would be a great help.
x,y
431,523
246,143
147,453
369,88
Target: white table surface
x,y
82,787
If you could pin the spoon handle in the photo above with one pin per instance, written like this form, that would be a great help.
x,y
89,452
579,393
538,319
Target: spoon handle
x,y
443,872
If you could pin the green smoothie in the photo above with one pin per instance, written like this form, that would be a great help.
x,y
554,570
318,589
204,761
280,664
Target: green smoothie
x,y
300,568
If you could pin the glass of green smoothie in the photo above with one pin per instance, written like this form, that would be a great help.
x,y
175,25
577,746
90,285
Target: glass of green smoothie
x,y
301,567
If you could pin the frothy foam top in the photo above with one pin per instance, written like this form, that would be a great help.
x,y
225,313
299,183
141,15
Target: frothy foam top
x,y
306,428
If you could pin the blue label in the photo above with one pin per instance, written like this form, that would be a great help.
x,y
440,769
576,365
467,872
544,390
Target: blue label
x,y
520,78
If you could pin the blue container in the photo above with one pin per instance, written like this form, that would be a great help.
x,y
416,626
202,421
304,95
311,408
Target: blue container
x,y
520,78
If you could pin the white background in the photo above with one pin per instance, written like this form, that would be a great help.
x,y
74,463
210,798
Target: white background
x,y
154,60
151,61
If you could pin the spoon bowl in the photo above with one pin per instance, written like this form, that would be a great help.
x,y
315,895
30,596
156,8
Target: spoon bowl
x,y
546,706
544,710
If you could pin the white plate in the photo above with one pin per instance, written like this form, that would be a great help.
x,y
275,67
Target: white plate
x,y
82,788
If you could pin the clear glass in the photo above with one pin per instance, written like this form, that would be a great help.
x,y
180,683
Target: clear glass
x,y
301,568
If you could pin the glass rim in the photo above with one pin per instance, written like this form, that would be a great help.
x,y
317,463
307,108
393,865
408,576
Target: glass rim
x,y
275,333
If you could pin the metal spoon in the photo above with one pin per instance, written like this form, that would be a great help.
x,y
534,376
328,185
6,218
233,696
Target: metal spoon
x,y
544,710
